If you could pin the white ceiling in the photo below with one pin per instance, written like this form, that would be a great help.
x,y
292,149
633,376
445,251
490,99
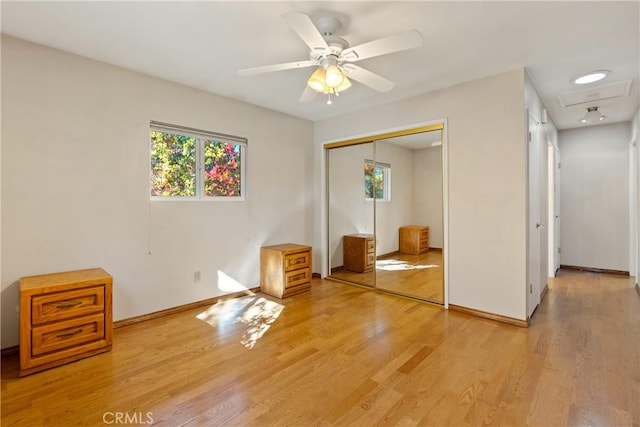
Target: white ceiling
x,y
203,44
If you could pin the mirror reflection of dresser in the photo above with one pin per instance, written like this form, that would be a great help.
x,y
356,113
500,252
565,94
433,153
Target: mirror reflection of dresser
x,y
414,239
359,252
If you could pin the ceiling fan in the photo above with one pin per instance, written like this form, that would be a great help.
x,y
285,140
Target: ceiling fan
x,y
334,58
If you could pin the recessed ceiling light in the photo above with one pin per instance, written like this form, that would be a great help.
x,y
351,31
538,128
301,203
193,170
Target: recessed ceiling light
x,y
590,77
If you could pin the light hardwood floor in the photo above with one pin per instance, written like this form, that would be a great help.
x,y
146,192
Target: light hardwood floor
x,y
342,355
420,276
365,279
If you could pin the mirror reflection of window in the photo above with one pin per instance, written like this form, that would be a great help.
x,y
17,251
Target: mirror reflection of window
x,y
377,180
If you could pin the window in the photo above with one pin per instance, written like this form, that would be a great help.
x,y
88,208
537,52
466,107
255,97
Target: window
x,y
377,180
190,164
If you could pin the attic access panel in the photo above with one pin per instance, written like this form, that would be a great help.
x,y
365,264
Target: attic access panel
x,y
596,94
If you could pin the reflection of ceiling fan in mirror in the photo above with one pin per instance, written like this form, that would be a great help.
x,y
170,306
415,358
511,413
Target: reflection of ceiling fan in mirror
x,y
334,58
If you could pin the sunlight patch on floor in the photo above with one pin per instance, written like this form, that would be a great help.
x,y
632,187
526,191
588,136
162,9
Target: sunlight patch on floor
x,y
258,319
224,311
256,313
396,265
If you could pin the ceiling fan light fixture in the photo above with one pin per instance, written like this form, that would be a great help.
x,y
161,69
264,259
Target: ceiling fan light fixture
x,y
592,116
591,77
333,76
346,84
316,81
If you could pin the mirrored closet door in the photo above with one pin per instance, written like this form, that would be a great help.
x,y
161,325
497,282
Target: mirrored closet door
x,y
385,213
409,219
351,215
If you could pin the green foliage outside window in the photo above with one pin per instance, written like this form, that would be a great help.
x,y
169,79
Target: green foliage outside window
x,y
373,181
173,165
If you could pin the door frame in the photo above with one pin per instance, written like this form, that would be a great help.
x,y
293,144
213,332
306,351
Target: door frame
x,y
534,214
372,136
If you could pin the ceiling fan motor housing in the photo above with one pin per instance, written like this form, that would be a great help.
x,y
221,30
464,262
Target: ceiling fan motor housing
x,y
328,25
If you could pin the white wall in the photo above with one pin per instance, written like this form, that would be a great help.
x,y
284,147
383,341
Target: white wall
x,y
75,189
427,193
595,196
393,214
486,181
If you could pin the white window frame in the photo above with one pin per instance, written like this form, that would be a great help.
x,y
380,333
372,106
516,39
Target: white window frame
x,y
386,177
201,137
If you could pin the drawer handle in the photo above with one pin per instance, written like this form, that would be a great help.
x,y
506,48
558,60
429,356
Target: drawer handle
x,y
298,261
298,276
68,304
70,333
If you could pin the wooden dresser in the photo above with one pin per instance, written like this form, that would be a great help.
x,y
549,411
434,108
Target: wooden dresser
x,y
285,269
64,317
359,252
414,239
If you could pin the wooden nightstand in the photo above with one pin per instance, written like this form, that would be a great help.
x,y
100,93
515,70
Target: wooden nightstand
x,y
414,239
359,252
285,269
64,317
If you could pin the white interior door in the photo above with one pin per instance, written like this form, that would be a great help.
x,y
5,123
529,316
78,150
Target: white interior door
x,y
556,219
535,223
551,211
633,209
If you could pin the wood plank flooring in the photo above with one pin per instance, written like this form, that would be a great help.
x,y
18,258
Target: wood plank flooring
x,y
415,275
342,355
420,276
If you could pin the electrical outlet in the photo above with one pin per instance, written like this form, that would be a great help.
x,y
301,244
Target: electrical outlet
x,y
530,288
196,276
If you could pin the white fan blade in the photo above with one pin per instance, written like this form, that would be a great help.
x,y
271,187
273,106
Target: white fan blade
x,y
303,26
308,95
395,43
276,67
368,78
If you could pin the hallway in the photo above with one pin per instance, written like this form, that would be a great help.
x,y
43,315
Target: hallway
x,y
588,350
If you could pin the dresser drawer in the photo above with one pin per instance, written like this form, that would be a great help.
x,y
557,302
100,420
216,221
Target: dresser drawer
x,y
424,234
297,278
70,333
371,245
371,259
297,260
66,305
